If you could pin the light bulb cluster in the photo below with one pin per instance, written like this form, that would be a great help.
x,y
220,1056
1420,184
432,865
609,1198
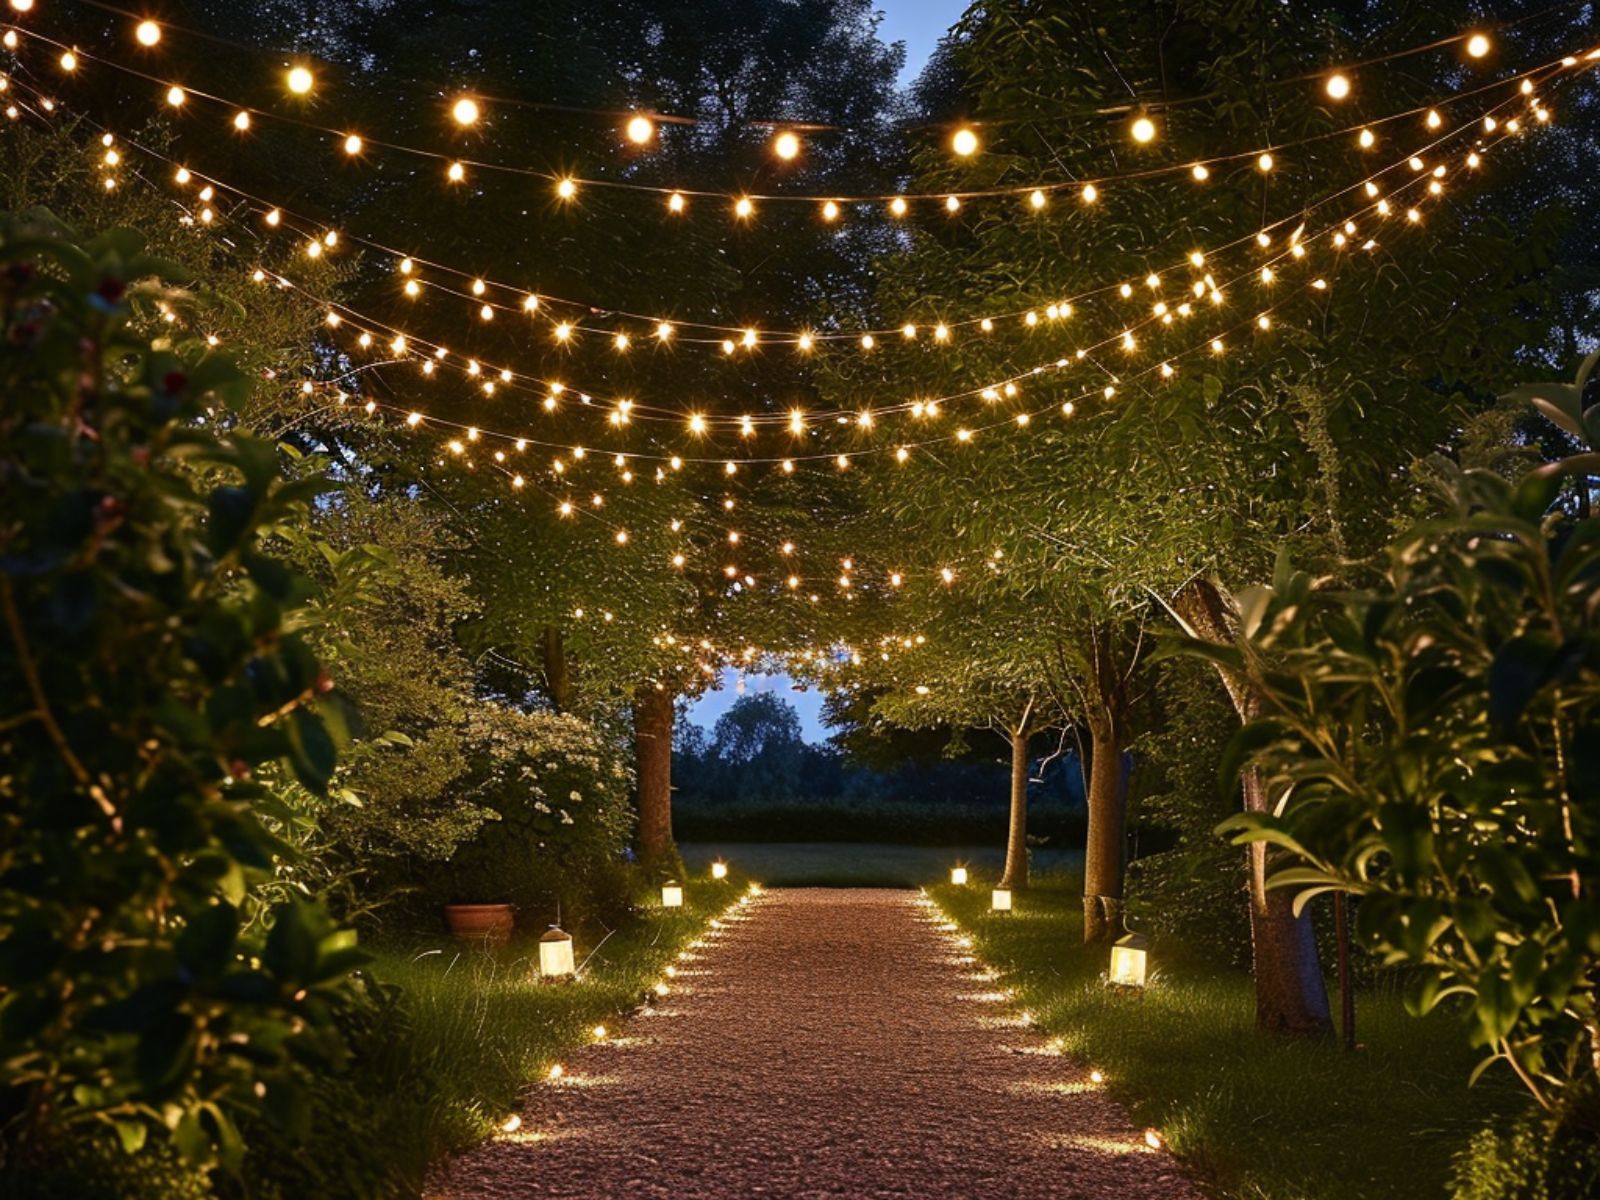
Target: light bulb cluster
x,y
639,130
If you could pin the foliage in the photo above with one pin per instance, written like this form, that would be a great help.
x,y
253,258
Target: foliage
x,y
1253,1117
1436,744
1536,1158
148,675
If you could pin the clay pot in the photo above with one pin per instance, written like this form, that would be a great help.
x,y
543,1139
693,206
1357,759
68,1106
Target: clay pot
x,y
489,924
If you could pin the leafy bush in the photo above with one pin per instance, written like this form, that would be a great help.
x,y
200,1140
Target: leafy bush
x,y
539,816
1435,745
1535,1159
147,679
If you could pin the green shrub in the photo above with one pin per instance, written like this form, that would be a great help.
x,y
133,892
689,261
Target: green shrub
x,y
146,681
1537,1158
1434,744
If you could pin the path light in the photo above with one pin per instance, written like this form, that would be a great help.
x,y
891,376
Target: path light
x,y
719,870
1000,899
555,954
672,894
1128,955
958,874
1097,1076
511,1124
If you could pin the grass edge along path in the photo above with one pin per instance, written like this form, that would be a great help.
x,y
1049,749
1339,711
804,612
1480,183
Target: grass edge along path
x,y
1251,1117
467,1031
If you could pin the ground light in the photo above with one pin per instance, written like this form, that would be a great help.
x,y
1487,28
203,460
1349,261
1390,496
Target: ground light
x,y
1128,956
672,894
958,874
719,870
555,954
1000,900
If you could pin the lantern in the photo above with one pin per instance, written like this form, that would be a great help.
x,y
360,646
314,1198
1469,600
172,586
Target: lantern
x,y
672,894
958,874
719,870
1128,960
555,954
1000,900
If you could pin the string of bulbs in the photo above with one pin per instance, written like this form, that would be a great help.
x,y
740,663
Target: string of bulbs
x,y
624,411
467,112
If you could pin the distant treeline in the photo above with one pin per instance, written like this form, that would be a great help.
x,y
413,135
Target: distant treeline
x,y
753,777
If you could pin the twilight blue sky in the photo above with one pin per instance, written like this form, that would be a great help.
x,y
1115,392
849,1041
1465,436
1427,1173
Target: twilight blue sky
x,y
919,24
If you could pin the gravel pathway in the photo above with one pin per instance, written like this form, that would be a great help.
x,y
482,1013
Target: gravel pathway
x,y
824,1043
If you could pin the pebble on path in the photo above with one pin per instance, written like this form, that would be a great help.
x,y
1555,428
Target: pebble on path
x,y
826,1043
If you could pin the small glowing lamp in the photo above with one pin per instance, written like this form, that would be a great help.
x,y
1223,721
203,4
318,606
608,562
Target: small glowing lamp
x,y
958,874
672,894
1129,954
555,954
786,146
719,870
147,32
640,129
1000,900
1478,45
965,142
300,81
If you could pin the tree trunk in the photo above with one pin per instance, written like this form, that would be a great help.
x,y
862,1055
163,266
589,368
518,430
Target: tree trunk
x,y
1291,995
1016,872
1104,855
652,737
557,680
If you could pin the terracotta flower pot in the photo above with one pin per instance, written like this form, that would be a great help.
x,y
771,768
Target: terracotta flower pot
x,y
487,923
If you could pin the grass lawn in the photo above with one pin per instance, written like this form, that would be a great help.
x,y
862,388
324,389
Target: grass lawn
x,y
1255,1118
857,864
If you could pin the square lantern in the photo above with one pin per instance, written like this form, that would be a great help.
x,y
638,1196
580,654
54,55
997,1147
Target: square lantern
x,y
555,954
958,874
672,894
719,870
1000,900
1128,955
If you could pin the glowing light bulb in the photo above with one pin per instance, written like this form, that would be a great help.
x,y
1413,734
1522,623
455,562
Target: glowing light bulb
x,y
68,60
147,33
1367,139
300,81
456,172
1434,120
353,144
952,203
1090,193
1478,45
897,206
640,130
786,145
1143,130
830,211
1338,86
675,202
1264,163
566,189
176,96
465,111
1200,172
241,121
1036,198
964,142
743,207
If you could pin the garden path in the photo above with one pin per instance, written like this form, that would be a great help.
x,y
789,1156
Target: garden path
x,y
823,1043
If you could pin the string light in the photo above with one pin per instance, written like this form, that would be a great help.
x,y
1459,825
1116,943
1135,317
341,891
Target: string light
x,y
786,145
964,142
1478,45
465,111
300,81
1338,86
147,33
1143,130
641,130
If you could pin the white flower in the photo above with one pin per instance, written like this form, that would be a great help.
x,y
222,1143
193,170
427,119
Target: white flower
x,y
575,796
